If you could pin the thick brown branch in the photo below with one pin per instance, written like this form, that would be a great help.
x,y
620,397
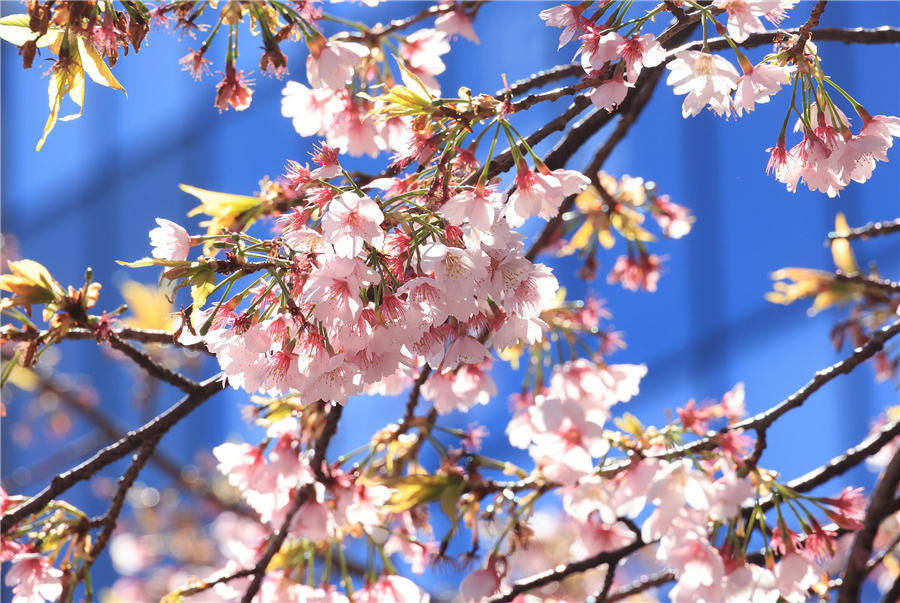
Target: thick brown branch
x,y
880,505
132,441
836,466
860,35
760,421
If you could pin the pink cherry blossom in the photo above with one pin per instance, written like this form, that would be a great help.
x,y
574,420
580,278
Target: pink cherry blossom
x,y
170,241
564,440
473,206
794,574
456,23
421,51
599,48
707,79
674,220
391,589
333,63
310,109
479,585
350,221
352,130
326,158
596,387
242,464
33,579
461,389
743,16
539,194
640,51
566,17
642,273
609,94
848,509
334,289
757,85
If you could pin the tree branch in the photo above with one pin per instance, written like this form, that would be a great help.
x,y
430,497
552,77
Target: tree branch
x,y
876,229
869,282
8,333
880,504
133,440
163,462
300,498
639,586
562,572
765,419
109,520
153,368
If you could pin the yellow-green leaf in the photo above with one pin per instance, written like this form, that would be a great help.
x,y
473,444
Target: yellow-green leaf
x,y
414,490
95,67
629,424
202,284
15,30
144,262
215,203
67,79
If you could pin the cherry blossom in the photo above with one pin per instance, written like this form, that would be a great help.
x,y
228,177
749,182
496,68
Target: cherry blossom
x,y
350,221
33,579
566,17
642,273
609,94
456,22
169,241
392,589
707,79
757,85
331,64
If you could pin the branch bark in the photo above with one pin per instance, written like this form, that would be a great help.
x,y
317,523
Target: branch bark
x,y
880,505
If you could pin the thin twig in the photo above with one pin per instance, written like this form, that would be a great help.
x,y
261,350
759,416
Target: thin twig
x,y
836,466
153,368
409,414
642,584
803,36
870,230
112,431
562,572
109,520
157,426
8,333
869,282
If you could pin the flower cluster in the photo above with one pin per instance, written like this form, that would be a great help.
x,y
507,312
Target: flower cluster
x,y
417,280
620,207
